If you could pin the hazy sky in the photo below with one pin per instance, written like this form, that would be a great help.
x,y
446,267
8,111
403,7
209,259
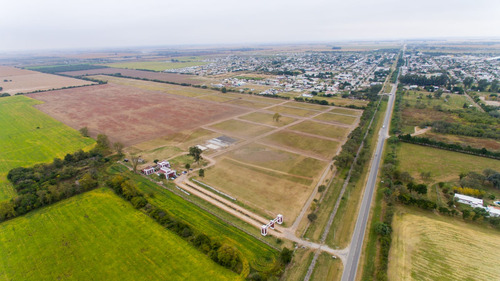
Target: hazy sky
x,y
34,24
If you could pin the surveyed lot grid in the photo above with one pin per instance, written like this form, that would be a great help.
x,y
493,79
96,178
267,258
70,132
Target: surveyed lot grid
x,y
29,136
74,238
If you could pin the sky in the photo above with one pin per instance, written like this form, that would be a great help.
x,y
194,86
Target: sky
x,y
78,24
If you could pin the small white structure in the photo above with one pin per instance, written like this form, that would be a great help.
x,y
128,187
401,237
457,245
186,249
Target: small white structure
x,y
163,164
148,171
471,201
169,173
493,211
203,148
278,220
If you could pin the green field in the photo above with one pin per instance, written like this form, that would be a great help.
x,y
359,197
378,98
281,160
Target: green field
x,y
349,120
321,129
267,118
258,255
444,165
455,101
98,236
306,144
29,136
156,65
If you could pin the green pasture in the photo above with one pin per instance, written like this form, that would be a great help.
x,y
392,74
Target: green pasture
x,y
98,236
259,255
444,165
29,136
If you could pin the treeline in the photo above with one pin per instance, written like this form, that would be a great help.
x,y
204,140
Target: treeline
x,y
223,254
44,184
448,146
422,80
64,68
478,130
345,158
63,88
314,101
370,93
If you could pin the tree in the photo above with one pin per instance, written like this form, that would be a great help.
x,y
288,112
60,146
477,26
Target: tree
x,y
85,132
224,90
276,117
201,173
196,153
286,255
321,188
227,256
7,210
495,180
134,160
465,214
421,189
129,190
118,146
312,217
494,87
482,85
87,182
382,228
468,82
102,143
187,166
438,94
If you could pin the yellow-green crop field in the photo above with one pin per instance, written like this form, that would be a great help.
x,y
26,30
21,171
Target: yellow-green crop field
x,y
29,136
98,236
428,247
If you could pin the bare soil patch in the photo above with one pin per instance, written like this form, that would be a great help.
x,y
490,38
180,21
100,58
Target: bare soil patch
x,y
130,115
14,80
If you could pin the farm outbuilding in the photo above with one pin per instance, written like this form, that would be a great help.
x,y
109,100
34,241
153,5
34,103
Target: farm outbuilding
x,y
148,171
163,164
471,201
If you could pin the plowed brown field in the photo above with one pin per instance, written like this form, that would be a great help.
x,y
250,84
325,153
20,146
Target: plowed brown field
x,y
130,115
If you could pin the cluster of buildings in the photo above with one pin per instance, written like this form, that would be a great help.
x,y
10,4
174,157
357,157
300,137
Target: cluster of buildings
x,y
301,71
456,66
162,167
494,211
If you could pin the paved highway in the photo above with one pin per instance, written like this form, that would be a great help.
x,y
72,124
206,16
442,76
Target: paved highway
x,y
351,266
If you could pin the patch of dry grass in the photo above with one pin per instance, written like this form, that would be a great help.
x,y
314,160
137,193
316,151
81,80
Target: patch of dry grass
x,y
427,247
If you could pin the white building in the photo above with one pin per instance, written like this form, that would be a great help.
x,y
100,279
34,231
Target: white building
x,y
148,171
493,211
163,164
471,201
